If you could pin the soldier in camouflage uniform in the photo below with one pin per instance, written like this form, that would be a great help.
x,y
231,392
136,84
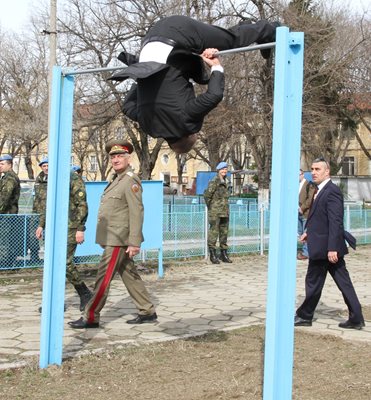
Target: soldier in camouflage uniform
x,y
38,207
216,198
10,189
78,214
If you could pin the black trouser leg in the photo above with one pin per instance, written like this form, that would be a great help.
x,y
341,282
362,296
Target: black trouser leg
x,y
314,282
342,279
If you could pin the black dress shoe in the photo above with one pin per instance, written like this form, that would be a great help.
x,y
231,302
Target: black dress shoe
x,y
142,319
83,324
351,325
302,322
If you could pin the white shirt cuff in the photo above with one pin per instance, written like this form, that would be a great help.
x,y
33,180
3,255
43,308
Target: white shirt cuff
x,y
217,68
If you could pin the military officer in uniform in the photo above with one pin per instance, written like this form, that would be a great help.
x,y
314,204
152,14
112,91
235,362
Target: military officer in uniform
x,y
78,214
119,232
216,198
10,189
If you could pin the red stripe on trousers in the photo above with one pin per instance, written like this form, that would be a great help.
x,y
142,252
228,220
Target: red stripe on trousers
x,y
106,281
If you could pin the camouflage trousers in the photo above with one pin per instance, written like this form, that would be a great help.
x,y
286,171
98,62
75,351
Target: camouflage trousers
x,y
218,227
72,274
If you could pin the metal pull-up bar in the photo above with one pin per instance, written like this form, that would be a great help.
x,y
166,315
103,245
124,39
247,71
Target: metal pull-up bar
x,y
247,48
70,72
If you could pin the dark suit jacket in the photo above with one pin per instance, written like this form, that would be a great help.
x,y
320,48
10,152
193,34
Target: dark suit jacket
x,y
167,106
164,102
325,228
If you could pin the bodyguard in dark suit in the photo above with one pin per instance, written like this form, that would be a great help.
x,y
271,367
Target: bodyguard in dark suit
x,y
163,99
327,248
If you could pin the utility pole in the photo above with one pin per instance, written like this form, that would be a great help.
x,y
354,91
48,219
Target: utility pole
x,y
52,44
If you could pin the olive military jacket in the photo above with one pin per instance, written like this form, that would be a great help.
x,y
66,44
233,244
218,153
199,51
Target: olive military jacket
x,y
39,201
78,206
10,189
216,197
121,213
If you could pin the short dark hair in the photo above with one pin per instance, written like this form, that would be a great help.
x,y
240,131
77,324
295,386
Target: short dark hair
x,y
322,159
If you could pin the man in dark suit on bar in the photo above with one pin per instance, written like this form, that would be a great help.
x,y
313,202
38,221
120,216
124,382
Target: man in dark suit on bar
x,y
325,236
174,53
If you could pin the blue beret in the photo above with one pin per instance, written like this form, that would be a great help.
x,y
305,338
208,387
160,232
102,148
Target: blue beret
x,y
75,168
6,157
221,165
44,161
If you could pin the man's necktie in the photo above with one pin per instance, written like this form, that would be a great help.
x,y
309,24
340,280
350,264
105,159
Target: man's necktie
x,y
315,193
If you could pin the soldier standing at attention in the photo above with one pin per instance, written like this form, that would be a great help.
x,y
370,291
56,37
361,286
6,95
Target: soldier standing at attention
x,y
10,189
119,232
216,198
78,214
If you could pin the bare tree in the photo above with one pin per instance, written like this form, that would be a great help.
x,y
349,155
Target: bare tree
x,y
24,95
332,50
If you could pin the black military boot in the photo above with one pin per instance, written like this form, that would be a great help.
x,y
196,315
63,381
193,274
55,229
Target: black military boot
x,y
84,293
213,257
224,256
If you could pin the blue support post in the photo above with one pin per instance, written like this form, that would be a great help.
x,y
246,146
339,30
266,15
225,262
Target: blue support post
x,y
60,137
279,336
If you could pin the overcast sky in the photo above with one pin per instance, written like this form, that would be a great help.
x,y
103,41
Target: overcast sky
x,y
15,14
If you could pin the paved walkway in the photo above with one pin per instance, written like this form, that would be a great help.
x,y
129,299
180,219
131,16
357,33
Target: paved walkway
x,y
192,298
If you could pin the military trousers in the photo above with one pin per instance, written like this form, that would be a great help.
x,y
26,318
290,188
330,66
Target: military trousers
x,y
115,259
72,273
218,228
33,245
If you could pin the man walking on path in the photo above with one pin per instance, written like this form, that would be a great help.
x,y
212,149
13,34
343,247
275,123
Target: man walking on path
x,y
327,248
119,232
78,214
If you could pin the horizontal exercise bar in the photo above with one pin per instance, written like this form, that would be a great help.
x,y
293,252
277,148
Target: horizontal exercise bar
x,y
68,72
247,48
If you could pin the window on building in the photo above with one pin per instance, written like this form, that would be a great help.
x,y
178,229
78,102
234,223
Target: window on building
x,y
165,159
120,133
348,166
93,164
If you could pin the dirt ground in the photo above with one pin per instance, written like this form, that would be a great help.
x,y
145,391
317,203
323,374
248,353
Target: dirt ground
x,y
216,366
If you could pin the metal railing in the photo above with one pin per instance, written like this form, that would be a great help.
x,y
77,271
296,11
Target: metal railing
x,y
184,234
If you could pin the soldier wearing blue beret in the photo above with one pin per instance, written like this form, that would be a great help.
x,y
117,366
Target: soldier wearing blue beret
x,y
10,189
77,216
216,198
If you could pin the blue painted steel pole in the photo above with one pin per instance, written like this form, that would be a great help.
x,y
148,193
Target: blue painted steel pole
x,y
279,336
60,137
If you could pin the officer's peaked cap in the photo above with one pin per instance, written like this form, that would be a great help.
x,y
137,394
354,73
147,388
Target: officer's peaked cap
x,y
221,165
119,147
